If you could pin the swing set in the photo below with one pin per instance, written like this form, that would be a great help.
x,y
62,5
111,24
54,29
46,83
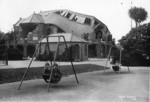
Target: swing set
x,y
49,77
117,66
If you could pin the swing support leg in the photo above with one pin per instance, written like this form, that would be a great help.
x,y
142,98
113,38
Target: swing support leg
x,y
71,60
128,69
50,78
120,58
48,48
107,59
28,67
30,63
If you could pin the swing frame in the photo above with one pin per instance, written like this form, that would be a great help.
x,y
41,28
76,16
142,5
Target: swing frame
x,y
120,55
60,36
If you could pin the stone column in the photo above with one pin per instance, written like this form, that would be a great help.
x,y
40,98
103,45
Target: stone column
x,y
98,48
25,50
80,52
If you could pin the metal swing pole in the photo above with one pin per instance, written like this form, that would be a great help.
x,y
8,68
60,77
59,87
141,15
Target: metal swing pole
x,y
29,64
107,58
53,63
128,68
71,60
48,48
120,58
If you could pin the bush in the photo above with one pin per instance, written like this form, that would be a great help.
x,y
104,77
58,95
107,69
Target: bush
x,y
45,57
130,59
64,57
137,46
14,54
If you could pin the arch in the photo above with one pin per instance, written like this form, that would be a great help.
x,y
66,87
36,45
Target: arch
x,y
76,52
99,34
92,51
30,50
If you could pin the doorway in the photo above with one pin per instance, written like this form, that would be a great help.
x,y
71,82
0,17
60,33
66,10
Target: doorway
x,y
92,51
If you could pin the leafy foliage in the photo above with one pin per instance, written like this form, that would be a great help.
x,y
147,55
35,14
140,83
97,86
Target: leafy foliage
x,y
136,45
63,57
138,14
45,57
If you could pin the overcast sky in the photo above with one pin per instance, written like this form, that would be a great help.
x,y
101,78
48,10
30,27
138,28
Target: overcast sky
x,y
113,13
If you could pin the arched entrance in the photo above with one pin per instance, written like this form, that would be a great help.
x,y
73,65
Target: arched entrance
x,y
30,50
76,52
92,51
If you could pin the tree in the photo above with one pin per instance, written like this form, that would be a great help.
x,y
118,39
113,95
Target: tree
x,y
1,34
9,36
138,15
137,45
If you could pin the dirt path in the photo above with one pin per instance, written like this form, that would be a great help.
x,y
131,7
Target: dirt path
x,y
94,87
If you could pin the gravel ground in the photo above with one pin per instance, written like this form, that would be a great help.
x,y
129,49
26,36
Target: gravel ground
x,y
93,87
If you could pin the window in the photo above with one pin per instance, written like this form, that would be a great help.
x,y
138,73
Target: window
x,y
68,15
80,19
96,23
99,34
74,18
87,21
109,38
71,17
63,13
58,12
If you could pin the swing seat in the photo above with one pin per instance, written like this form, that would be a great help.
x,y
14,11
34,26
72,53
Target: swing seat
x,y
56,77
115,68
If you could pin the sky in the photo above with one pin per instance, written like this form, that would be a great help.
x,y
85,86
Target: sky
x,y
113,13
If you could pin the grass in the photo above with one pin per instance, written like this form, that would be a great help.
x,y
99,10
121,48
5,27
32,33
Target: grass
x,y
14,75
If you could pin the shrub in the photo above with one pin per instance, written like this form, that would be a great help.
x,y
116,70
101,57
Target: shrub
x,y
45,57
137,46
14,54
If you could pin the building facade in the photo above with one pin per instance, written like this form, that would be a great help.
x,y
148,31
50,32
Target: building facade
x,y
31,29
77,46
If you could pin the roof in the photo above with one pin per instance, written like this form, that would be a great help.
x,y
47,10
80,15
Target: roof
x,y
66,24
53,11
68,37
79,14
34,18
18,22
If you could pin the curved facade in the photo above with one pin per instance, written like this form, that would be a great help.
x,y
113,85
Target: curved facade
x,y
65,21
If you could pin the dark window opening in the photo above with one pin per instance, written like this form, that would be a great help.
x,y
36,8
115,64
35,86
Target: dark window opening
x,y
92,51
68,15
87,21
109,38
74,18
96,23
99,35
63,13
100,27
58,12
30,50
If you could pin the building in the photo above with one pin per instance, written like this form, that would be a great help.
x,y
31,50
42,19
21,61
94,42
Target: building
x,y
30,30
76,45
